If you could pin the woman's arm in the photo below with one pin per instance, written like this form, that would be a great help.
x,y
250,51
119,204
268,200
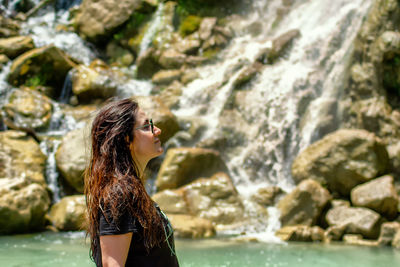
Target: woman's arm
x,y
114,249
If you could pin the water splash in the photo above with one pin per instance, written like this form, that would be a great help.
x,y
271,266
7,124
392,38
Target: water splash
x,y
49,148
153,29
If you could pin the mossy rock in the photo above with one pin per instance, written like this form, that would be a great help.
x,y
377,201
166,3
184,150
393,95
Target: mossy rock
x,y
189,25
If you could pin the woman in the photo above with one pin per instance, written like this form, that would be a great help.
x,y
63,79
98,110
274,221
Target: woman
x,y
125,226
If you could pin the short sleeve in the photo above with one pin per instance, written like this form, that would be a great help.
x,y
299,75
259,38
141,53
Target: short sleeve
x,y
125,224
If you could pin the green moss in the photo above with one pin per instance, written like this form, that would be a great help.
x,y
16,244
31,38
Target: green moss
x,y
189,25
211,53
43,77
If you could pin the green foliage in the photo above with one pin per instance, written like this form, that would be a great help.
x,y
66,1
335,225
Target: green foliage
x,y
189,25
132,26
43,77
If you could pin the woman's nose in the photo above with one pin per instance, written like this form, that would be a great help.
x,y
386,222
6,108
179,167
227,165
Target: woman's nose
x,y
157,131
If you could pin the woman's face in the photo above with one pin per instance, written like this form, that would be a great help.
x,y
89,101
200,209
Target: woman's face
x,y
146,145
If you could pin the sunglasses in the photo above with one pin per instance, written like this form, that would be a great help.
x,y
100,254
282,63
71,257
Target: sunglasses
x,y
147,127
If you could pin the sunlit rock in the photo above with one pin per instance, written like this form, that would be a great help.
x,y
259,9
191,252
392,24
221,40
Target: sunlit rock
x,y
189,75
247,74
215,199
15,46
388,232
21,157
206,27
3,59
183,165
23,206
171,201
96,20
47,65
162,116
164,77
357,239
186,226
189,45
355,220
396,240
28,110
172,59
69,213
93,82
304,204
342,160
301,233
72,156
266,196
378,195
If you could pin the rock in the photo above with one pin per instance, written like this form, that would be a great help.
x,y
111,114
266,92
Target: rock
x,y
72,156
342,160
301,233
334,233
8,27
47,65
304,204
189,25
3,59
162,116
21,157
265,196
166,76
386,46
355,220
93,82
388,232
15,46
339,203
28,110
206,27
170,95
215,199
183,165
186,226
171,201
353,239
196,60
69,213
147,64
271,53
189,45
396,240
189,76
96,20
23,206
247,74
172,59
378,195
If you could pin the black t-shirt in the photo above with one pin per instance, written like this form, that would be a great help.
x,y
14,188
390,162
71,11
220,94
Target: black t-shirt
x,y
163,255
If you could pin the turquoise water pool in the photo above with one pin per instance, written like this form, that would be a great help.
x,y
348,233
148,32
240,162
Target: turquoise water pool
x,y
69,249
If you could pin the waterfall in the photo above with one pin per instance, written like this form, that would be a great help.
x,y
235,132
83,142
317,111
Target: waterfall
x,y
66,91
154,25
283,108
49,148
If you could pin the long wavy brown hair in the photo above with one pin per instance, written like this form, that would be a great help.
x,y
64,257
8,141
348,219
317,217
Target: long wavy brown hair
x,y
112,178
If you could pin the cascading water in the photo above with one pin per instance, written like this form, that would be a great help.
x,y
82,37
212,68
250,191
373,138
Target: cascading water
x,y
286,107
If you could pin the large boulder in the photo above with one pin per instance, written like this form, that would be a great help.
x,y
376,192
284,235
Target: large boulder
x,y
342,160
72,156
93,82
96,20
162,116
28,110
69,213
304,204
186,226
355,220
47,65
379,195
23,206
15,46
171,201
215,199
183,165
21,157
